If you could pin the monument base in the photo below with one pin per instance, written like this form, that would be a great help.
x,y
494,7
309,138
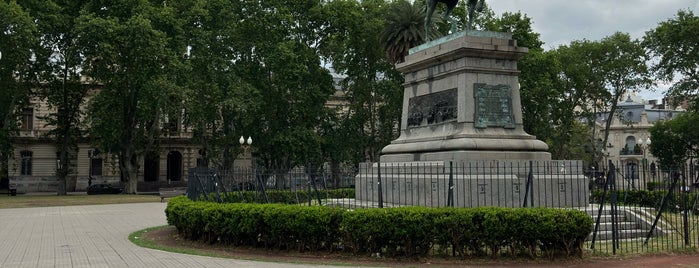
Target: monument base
x,y
468,156
474,184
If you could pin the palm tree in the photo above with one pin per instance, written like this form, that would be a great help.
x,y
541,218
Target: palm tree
x,y
405,29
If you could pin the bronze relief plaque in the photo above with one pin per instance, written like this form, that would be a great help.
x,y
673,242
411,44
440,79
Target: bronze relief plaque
x,y
493,106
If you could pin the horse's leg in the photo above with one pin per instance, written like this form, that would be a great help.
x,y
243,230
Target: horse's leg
x,y
479,6
471,13
452,22
429,9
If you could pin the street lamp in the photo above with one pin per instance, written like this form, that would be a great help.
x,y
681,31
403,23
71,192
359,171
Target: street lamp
x,y
245,144
644,147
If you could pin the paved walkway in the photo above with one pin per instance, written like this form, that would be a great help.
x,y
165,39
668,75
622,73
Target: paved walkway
x,y
93,236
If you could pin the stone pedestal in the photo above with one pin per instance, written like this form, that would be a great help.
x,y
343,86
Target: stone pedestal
x,y
461,102
461,107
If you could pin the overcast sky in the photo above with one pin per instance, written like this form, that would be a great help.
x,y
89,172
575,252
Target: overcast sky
x,y
561,21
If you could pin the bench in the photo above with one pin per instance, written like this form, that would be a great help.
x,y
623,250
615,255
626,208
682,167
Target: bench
x,y
171,192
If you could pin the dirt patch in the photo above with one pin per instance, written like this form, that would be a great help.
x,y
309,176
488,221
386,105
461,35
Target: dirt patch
x,y
168,237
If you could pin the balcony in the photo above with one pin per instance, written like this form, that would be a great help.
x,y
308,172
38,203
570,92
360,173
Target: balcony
x,y
630,152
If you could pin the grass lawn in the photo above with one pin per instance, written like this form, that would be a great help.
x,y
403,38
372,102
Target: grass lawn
x,y
26,201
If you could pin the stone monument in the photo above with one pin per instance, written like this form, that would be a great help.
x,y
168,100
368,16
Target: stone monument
x,y
461,106
461,102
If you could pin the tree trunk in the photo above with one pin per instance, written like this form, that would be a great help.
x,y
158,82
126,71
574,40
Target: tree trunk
x,y
129,165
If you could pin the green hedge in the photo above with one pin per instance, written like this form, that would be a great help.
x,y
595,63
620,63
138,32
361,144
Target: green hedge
x,y
279,196
643,198
408,231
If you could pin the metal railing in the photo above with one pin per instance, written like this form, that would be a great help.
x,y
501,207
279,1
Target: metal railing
x,y
628,217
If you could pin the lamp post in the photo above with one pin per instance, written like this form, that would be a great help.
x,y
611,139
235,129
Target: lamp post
x,y
245,144
644,147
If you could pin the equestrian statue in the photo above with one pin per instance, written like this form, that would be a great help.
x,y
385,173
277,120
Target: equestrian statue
x,y
473,6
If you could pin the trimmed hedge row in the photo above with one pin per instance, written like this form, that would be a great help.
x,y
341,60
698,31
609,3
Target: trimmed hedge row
x,y
279,196
408,231
645,198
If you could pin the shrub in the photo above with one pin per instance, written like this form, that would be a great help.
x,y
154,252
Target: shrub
x,y
407,231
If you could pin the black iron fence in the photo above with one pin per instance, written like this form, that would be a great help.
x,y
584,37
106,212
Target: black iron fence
x,y
632,213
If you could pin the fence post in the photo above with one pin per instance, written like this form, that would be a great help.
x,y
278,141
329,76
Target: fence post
x,y
379,185
450,193
613,203
685,220
663,204
601,208
529,186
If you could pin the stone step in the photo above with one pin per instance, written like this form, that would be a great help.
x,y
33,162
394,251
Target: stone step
x,y
622,234
625,225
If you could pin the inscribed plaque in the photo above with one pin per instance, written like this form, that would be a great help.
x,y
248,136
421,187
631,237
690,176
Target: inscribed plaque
x,y
493,106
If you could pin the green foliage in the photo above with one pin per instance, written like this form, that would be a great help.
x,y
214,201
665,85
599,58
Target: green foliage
x,y
674,44
372,86
648,198
404,29
280,196
58,65
18,36
675,141
654,185
133,51
407,231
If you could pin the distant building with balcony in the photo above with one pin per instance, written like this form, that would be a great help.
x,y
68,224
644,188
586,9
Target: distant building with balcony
x,y
629,137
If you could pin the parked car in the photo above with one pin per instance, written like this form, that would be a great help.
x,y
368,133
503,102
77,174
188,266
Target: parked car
x,y
103,189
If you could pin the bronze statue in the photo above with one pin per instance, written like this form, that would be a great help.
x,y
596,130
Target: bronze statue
x,y
472,5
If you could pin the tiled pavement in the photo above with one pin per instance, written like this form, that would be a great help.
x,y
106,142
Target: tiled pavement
x,y
93,236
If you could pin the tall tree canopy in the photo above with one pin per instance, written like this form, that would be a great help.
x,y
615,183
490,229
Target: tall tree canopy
x,y
58,68
675,46
372,85
675,141
133,52
18,35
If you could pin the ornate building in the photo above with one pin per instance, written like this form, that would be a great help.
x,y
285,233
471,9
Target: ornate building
x,y
36,158
629,140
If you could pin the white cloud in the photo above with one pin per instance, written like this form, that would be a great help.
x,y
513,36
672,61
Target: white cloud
x,y
561,21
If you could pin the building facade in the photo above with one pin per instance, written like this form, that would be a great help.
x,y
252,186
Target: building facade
x,y
36,158
629,142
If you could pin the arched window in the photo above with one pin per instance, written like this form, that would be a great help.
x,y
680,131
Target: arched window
x,y
630,145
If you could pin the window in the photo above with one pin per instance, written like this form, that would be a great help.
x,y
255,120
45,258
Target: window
x,y
96,167
27,119
26,163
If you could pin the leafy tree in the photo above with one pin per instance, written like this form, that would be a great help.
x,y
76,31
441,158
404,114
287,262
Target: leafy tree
x,y
675,46
575,84
622,68
18,35
675,141
218,96
538,71
58,65
133,53
369,81
256,72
